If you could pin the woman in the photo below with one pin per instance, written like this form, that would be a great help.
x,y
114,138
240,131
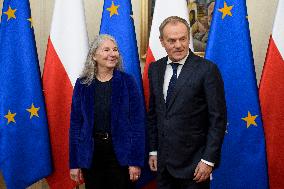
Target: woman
x,y
107,122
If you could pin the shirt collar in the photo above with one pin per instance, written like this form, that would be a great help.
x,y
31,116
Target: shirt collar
x,y
182,61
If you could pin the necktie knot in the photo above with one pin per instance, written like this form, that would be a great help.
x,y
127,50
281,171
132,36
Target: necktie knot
x,y
174,66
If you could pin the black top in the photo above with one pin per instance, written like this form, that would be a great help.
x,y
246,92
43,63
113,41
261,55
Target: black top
x,y
102,106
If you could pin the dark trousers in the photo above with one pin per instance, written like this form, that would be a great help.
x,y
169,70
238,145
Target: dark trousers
x,y
106,173
167,181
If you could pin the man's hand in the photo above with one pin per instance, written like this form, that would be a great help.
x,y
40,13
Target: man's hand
x,y
76,175
202,172
134,173
153,162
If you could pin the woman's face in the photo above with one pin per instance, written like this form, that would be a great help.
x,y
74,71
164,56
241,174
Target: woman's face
x,y
107,55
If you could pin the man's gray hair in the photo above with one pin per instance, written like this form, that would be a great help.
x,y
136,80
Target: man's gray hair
x,y
173,20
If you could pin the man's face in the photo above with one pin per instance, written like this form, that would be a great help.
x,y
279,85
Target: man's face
x,y
175,40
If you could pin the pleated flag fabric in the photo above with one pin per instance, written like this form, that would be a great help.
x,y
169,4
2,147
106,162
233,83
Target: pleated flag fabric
x,y
243,158
271,94
66,53
24,140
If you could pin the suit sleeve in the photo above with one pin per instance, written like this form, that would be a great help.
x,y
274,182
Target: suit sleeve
x,y
137,120
152,115
215,96
76,121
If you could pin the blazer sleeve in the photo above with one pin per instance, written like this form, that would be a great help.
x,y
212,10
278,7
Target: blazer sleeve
x,y
137,122
215,96
151,115
76,121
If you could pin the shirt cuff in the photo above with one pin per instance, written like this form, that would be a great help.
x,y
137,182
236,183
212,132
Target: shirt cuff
x,y
153,153
208,163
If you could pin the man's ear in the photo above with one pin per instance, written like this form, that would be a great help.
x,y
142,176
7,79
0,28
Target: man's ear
x,y
162,41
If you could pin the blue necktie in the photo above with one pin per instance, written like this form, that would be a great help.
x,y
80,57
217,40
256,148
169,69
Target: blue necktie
x,y
173,81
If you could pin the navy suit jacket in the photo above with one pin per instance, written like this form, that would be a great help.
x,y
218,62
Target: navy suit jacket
x,y
193,124
127,122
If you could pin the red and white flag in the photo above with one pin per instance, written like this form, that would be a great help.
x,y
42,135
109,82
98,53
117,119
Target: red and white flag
x,y
66,53
162,10
271,94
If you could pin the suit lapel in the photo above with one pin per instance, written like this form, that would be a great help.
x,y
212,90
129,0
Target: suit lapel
x,y
185,74
90,102
161,74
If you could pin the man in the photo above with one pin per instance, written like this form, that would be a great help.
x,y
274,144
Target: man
x,y
187,112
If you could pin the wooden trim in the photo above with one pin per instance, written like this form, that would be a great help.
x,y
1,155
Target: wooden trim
x,y
144,32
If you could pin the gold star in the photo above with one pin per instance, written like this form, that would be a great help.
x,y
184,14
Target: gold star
x,y
10,13
226,10
31,20
10,117
250,119
33,110
113,9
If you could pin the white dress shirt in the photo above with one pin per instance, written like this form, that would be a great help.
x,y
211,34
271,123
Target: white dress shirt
x,y
169,73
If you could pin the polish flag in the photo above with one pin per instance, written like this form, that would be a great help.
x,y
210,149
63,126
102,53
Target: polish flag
x,y
162,10
271,94
66,53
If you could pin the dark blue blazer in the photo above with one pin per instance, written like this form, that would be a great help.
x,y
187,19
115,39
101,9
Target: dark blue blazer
x,y
127,122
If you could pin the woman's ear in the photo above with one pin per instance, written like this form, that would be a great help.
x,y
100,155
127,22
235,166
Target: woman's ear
x,y
94,58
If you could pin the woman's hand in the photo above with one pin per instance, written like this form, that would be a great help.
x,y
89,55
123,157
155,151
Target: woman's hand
x,y
76,175
134,173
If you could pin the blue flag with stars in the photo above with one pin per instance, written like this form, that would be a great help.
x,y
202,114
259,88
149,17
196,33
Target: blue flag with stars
x,y
24,139
243,158
117,21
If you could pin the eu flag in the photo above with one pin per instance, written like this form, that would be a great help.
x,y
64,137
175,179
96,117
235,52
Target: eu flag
x,y
243,159
24,139
117,21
